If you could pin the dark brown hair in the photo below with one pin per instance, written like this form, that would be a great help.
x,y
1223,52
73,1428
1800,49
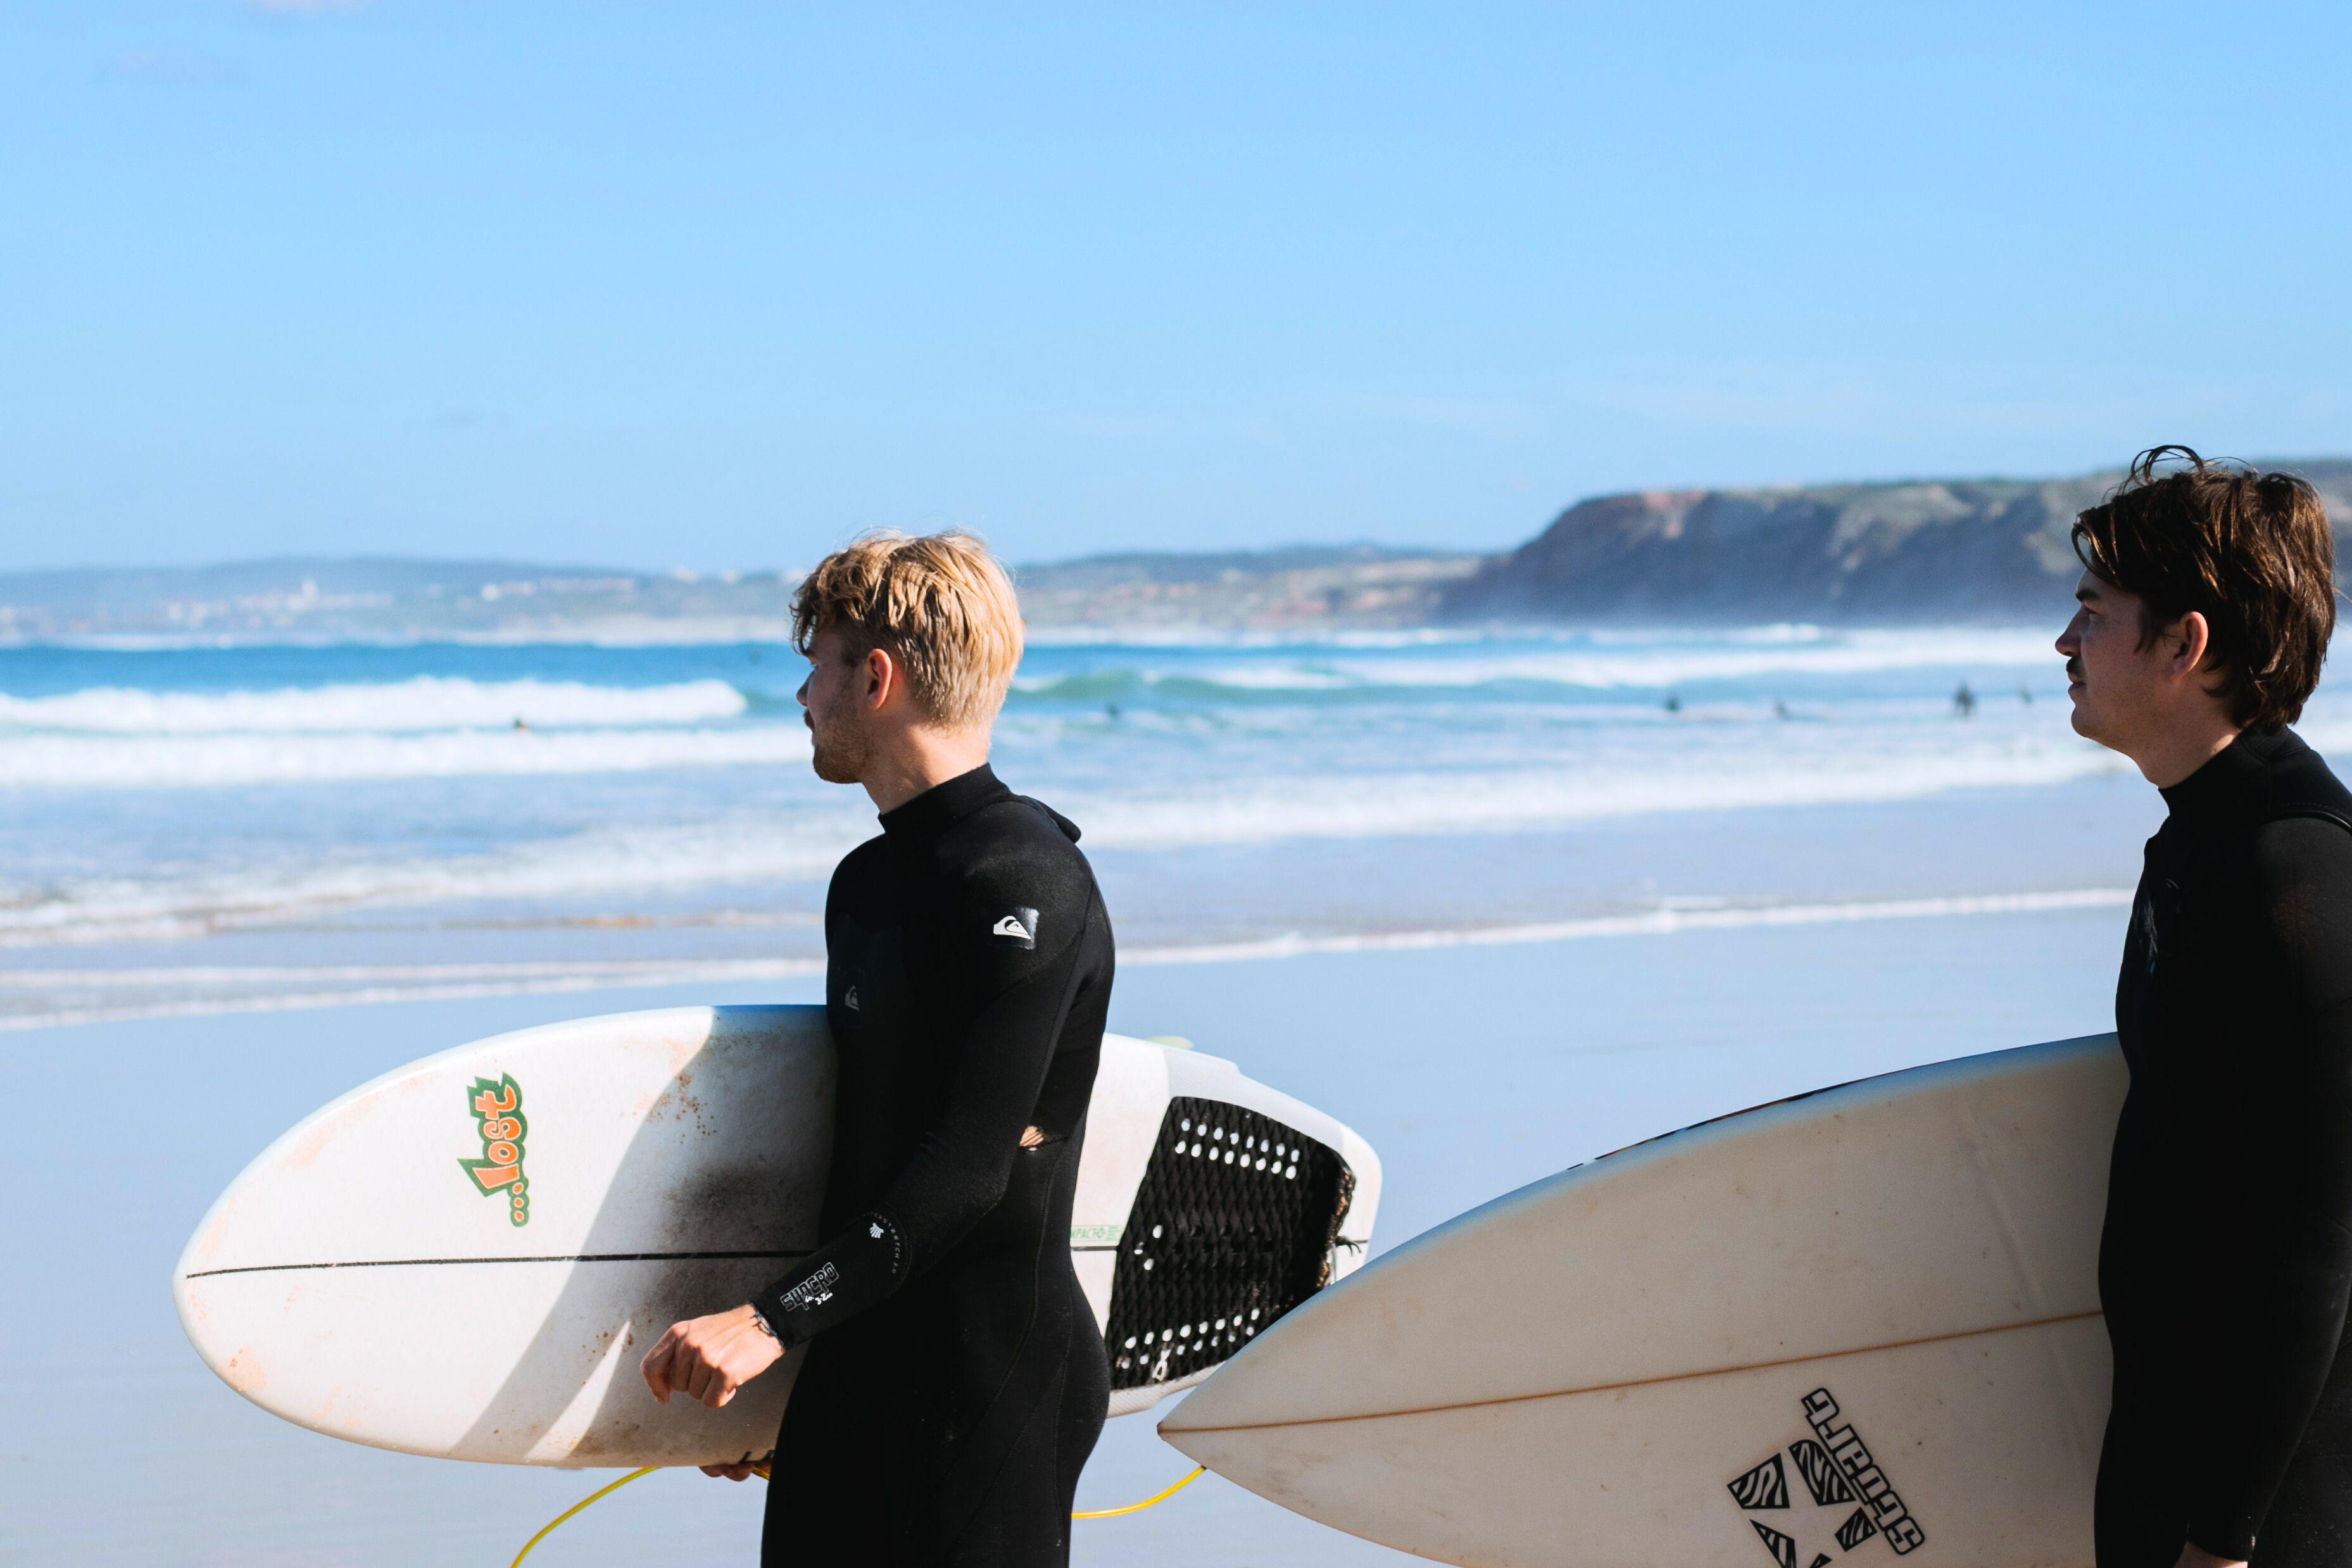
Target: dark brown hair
x,y
2250,552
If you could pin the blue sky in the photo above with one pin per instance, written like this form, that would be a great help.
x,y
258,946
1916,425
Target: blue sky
x,y
714,285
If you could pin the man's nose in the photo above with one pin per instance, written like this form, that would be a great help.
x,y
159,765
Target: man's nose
x,y
800,696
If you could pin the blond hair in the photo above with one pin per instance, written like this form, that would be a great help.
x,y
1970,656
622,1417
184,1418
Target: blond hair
x,y
939,603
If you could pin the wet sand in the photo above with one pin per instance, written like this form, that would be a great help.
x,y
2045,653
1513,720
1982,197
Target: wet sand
x,y
1473,1071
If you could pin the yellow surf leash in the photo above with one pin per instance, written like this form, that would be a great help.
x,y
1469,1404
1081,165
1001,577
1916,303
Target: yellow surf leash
x,y
1190,1476
575,1508
762,1471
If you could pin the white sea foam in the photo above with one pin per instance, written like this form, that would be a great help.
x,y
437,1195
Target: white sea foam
x,y
176,761
1823,766
1665,921
1308,677
1355,806
332,990
422,703
613,861
1629,662
115,994
1653,667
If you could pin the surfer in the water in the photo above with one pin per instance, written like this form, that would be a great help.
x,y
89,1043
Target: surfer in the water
x,y
955,1380
2226,1265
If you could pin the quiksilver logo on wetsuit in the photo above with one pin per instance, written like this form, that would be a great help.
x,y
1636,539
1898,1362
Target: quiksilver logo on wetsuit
x,y
1018,927
1852,1499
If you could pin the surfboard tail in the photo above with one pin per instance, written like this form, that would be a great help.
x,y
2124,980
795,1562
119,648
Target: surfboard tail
x,y
1248,1203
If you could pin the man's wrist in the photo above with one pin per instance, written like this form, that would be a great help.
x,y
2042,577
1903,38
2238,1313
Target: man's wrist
x,y
2237,1545
2195,1556
760,1320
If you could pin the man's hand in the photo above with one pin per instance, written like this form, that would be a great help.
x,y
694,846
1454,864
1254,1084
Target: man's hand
x,y
741,1472
2195,1556
710,1358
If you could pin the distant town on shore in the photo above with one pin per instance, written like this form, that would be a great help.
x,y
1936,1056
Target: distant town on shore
x,y
1889,553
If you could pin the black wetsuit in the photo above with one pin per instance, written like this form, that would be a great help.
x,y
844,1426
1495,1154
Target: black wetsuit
x,y
2227,1259
955,1381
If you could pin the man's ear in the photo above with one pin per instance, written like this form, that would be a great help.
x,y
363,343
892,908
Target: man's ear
x,y
881,676
2196,642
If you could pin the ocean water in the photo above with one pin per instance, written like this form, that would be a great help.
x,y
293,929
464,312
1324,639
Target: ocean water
x,y
1499,903
189,829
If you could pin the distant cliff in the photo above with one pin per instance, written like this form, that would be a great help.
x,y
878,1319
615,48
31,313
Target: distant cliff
x,y
1910,551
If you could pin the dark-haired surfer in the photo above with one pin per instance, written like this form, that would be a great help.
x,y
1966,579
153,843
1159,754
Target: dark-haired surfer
x,y
2226,1264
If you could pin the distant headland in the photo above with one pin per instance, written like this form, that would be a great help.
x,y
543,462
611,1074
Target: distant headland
x,y
1889,553
1912,551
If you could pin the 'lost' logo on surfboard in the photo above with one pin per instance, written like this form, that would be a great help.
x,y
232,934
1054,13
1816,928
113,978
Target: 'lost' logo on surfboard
x,y
1852,1499
497,1106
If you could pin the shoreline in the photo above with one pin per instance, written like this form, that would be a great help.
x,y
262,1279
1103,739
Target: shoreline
x,y
447,982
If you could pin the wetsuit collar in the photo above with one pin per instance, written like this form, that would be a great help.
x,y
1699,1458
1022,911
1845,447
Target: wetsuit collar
x,y
2234,769
941,806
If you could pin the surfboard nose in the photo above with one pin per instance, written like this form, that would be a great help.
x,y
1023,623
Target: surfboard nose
x,y
1415,1328
193,1300
1620,1364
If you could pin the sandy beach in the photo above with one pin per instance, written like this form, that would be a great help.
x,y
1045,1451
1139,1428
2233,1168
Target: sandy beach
x,y
1533,541
1472,1070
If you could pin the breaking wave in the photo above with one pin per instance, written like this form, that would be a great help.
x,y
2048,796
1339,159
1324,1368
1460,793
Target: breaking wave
x,y
424,703
803,844
59,762
1589,665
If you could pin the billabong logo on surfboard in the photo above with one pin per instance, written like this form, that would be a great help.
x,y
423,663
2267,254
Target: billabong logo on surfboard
x,y
1852,1499
497,1106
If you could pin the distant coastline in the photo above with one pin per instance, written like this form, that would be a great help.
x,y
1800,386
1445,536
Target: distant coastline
x,y
1304,590
1894,553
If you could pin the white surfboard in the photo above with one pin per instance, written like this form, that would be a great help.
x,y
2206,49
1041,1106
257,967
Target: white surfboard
x,y
1861,1323
467,1257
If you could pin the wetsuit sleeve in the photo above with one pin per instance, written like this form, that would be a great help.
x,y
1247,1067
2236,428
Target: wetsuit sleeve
x,y
2280,1226
1014,938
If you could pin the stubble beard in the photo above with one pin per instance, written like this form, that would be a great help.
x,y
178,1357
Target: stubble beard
x,y
838,753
